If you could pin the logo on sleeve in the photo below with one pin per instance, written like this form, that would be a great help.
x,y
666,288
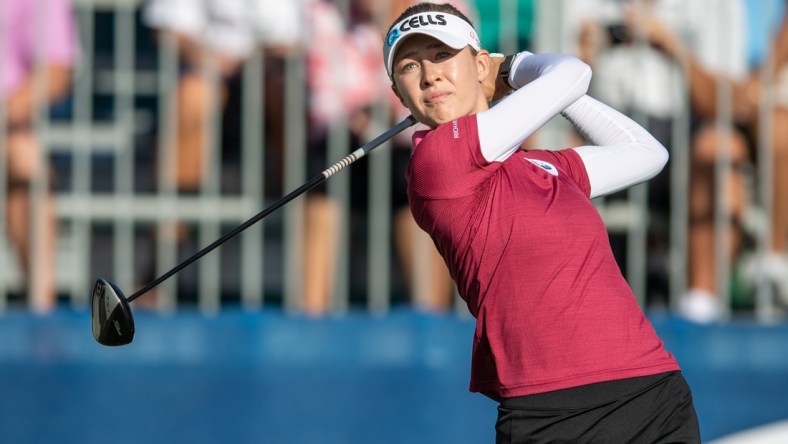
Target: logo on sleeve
x,y
547,166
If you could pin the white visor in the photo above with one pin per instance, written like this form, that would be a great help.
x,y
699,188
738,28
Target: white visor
x,y
448,28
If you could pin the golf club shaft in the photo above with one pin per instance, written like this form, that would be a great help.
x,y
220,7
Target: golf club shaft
x,y
313,182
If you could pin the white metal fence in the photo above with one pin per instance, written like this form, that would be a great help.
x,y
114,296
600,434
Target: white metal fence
x,y
121,216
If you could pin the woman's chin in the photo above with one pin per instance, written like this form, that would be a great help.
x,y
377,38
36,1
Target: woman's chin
x,y
435,121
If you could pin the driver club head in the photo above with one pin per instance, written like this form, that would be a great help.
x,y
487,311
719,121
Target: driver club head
x,y
110,314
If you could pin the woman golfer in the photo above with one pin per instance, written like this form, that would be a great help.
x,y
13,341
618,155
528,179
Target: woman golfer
x,y
560,341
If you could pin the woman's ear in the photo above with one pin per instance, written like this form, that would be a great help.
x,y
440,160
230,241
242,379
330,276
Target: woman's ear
x,y
483,64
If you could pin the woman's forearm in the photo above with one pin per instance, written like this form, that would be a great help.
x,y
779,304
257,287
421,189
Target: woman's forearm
x,y
545,85
622,153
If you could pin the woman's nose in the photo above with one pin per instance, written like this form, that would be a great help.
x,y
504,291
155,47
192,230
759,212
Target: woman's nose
x,y
430,73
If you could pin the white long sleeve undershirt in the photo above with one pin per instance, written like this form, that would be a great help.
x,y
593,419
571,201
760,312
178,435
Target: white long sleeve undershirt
x,y
623,153
546,84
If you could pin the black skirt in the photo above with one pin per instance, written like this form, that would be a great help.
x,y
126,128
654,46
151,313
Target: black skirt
x,y
648,409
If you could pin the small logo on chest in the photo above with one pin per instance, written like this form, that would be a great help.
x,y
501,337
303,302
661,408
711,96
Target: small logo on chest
x,y
547,166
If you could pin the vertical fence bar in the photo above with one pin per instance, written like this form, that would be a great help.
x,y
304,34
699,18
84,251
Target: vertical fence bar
x,y
637,239
764,292
123,240
81,153
380,227
679,201
252,168
208,290
167,234
338,191
549,37
549,26
507,38
379,204
637,196
722,212
339,187
723,216
294,176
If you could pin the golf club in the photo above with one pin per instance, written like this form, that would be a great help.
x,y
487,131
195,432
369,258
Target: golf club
x,y
111,319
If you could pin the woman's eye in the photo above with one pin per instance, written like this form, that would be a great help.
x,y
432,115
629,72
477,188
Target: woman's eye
x,y
408,66
442,55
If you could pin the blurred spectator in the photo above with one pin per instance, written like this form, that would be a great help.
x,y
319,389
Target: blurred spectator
x,y
726,42
38,49
214,38
766,23
645,82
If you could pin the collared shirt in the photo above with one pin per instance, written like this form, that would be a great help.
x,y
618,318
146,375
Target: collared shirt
x,y
532,259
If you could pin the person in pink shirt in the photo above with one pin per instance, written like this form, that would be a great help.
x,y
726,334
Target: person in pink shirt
x,y
38,50
560,341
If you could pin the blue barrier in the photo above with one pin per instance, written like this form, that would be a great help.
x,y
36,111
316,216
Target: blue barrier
x,y
273,378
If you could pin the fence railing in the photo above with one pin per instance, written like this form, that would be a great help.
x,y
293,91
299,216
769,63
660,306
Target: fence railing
x,y
121,214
